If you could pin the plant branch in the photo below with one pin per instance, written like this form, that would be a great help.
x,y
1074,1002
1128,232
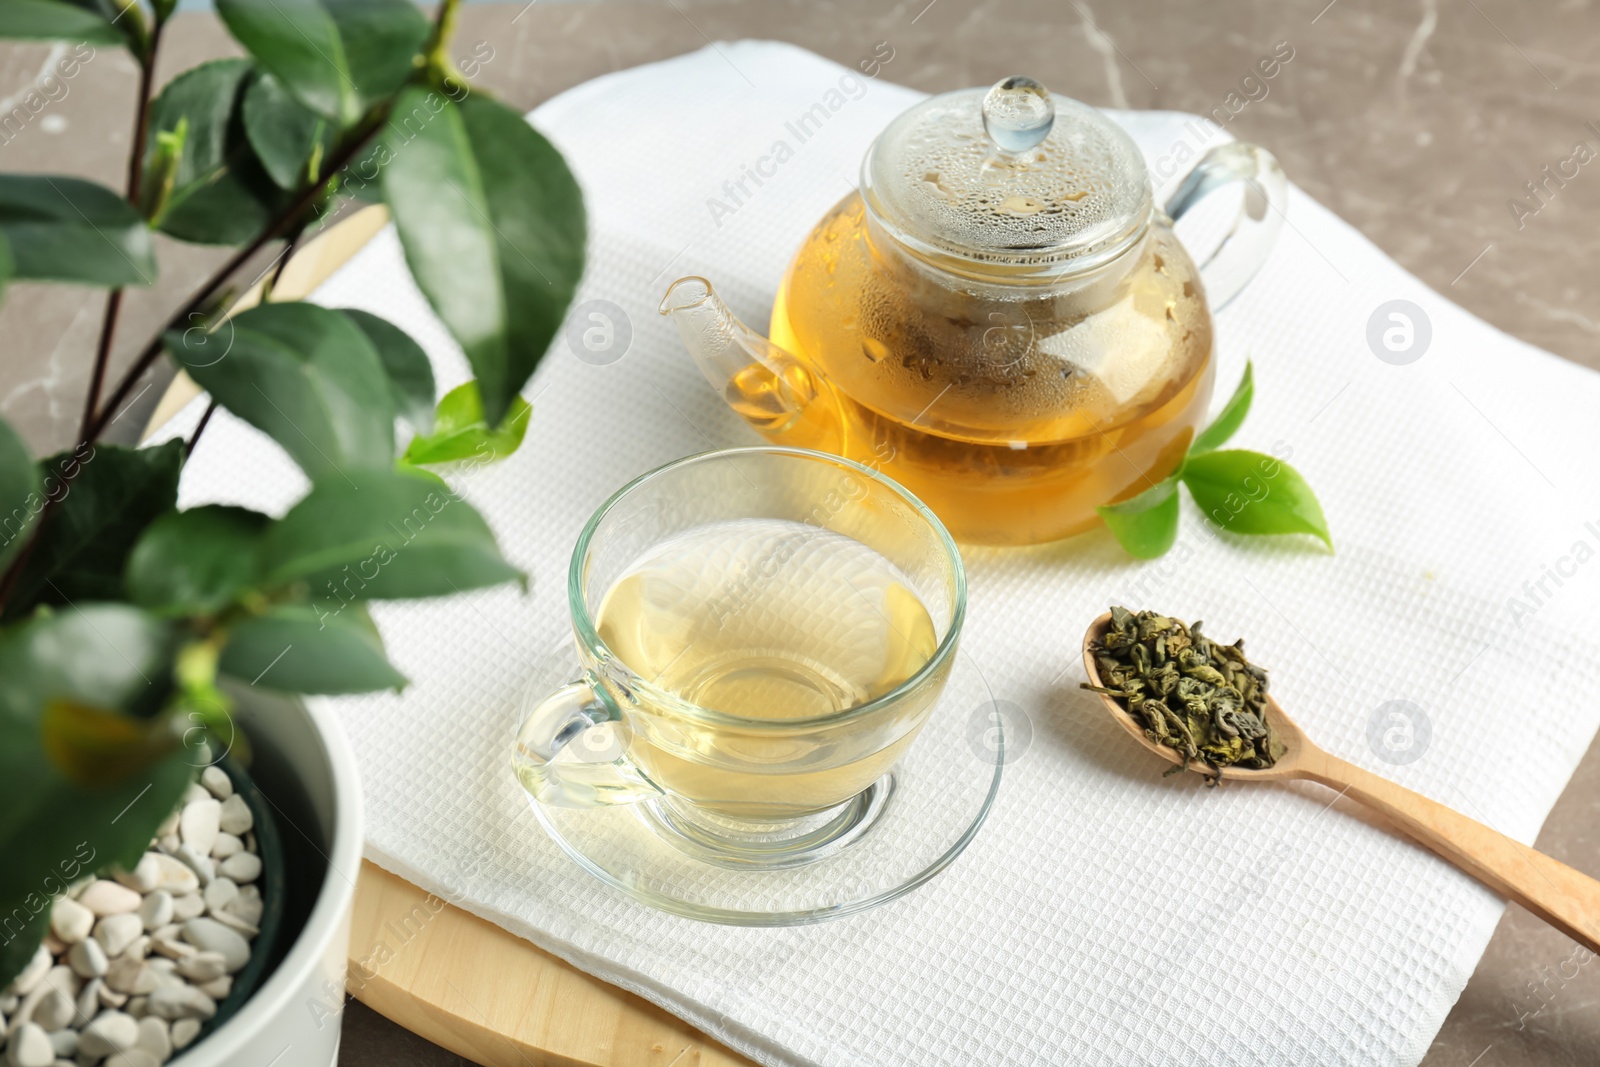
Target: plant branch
x,y
200,428
141,123
283,262
436,54
108,322
196,302
266,295
102,357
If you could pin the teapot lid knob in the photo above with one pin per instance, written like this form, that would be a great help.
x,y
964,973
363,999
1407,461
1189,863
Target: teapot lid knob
x,y
1007,177
1018,113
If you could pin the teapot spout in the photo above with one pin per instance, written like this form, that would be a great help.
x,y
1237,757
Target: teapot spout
x,y
767,386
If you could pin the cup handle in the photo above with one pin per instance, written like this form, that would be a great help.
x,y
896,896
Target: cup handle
x,y
1241,253
572,751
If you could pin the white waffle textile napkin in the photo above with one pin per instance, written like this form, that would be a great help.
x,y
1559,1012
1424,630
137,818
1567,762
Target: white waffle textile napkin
x,y
1105,914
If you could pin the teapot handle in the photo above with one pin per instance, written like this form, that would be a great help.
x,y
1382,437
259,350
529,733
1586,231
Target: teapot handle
x,y
1235,261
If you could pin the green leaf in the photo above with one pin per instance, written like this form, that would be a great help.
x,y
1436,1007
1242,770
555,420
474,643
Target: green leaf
x,y
462,432
383,41
126,17
336,58
1231,416
69,230
52,20
410,373
103,510
493,228
304,375
1250,493
8,265
401,533
111,656
362,176
20,502
91,665
1145,525
220,194
298,41
297,648
285,134
195,562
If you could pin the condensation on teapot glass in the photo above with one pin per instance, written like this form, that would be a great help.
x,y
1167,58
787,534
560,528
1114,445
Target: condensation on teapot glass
x,y
1008,177
1018,113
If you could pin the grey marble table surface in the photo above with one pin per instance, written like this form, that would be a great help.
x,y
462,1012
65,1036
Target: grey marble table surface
x,y
1421,122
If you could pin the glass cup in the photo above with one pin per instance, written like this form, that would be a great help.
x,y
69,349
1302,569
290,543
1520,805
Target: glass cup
x,y
801,616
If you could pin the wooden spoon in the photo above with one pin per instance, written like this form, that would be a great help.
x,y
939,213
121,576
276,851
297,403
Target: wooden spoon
x,y
1550,889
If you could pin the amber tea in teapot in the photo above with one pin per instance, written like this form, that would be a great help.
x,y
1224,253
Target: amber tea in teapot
x,y
999,319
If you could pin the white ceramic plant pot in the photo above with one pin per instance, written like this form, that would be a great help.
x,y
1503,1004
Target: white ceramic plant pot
x,y
304,766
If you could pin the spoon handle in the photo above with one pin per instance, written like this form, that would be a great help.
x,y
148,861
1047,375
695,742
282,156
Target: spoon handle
x,y
1559,895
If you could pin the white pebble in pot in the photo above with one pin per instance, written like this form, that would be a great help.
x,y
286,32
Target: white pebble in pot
x,y
208,935
110,1032
30,1047
33,973
134,1057
236,818
116,932
108,898
155,1037
198,862
181,1002
218,988
145,876
217,782
70,921
184,1031
248,905
88,958
156,910
54,1010
57,981
89,1003
203,966
219,894
169,943
227,845
199,824
65,1042
241,867
123,975
187,907
108,997
176,876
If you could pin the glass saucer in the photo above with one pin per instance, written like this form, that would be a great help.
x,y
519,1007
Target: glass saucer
x,y
906,828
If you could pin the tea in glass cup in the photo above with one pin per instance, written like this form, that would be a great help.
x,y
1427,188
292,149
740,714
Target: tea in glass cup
x,y
763,632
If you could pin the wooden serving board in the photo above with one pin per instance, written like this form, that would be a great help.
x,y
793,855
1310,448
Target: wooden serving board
x,y
487,995
455,979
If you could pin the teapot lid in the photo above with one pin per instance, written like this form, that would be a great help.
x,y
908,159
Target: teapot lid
x,y
1008,176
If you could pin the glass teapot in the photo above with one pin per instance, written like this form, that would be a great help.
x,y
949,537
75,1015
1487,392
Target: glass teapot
x,y
1001,318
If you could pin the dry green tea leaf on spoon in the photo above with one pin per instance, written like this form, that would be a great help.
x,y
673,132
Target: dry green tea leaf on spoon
x,y
1203,699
